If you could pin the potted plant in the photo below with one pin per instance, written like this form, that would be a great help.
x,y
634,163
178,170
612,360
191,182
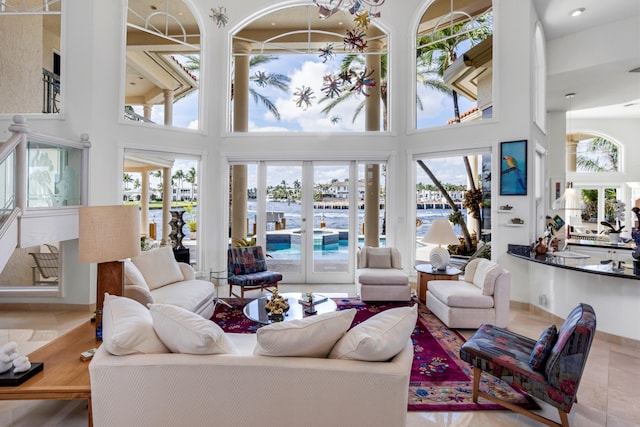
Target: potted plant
x,y
613,231
192,230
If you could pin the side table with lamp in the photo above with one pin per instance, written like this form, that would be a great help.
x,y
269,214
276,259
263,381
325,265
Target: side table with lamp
x,y
440,233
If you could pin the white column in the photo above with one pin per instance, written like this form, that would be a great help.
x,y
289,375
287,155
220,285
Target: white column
x,y
166,205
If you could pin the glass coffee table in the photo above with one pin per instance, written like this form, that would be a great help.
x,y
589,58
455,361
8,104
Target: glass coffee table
x,y
255,310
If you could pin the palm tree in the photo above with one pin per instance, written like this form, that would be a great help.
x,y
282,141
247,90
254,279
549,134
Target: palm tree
x,y
128,179
191,179
180,177
601,156
260,79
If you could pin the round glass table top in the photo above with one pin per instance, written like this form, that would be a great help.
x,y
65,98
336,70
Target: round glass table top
x,y
256,311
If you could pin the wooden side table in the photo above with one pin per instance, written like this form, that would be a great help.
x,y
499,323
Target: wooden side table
x,y
426,272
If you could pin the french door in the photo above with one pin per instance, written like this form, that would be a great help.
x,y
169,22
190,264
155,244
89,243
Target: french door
x,y
304,214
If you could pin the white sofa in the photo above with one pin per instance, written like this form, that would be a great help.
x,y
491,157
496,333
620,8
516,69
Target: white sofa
x,y
482,296
253,380
379,275
156,277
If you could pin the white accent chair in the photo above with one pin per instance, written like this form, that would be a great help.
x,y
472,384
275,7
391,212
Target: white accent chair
x,y
379,275
482,296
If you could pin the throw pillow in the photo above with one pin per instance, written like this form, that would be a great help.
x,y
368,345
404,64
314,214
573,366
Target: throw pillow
x,y
378,338
132,275
127,328
543,347
312,336
158,267
485,276
379,257
183,331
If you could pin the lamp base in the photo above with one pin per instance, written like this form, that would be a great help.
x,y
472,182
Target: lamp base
x,y
110,280
439,258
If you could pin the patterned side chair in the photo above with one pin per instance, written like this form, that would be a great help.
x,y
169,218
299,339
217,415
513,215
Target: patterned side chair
x,y
506,355
247,268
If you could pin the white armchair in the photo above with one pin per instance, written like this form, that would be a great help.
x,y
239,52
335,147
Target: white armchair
x,y
482,296
379,275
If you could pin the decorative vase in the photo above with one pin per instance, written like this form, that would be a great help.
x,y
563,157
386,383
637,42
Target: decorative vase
x,y
614,238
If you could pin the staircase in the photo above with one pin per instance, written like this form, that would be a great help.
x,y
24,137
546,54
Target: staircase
x,y
42,184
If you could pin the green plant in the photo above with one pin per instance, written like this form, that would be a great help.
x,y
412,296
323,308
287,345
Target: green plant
x,y
193,226
611,228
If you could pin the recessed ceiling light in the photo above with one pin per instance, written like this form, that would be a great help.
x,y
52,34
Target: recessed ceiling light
x,y
577,12
273,24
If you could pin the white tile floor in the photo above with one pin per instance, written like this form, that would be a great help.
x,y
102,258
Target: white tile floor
x,y
608,394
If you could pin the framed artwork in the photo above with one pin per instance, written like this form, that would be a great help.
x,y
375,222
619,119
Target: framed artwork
x,y
513,168
555,191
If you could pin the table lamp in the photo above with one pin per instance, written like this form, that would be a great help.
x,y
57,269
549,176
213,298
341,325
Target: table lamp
x,y
440,233
107,235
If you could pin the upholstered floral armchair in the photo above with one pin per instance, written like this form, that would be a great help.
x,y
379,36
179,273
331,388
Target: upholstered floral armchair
x,y
247,268
549,369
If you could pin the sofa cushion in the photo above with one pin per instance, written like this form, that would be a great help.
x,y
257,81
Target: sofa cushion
x,y
158,266
132,275
485,276
127,328
378,338
312,336
543,347
378,276
459,293
190,295
183,331
379,258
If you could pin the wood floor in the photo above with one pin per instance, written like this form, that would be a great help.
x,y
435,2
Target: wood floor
x,y
608,395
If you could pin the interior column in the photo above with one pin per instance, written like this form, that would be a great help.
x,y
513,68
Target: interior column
x,y
166,206
241,52
372,171
144,201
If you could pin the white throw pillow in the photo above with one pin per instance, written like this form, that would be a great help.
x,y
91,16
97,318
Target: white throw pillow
x,y
159,267
485,276
127,328
312,336
132,275
183,331
378,338
379,258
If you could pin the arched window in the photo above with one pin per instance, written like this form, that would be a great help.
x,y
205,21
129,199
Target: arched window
x,y
454,55
309,69
162,64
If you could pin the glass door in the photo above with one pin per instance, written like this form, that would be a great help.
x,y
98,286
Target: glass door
x,y
309,210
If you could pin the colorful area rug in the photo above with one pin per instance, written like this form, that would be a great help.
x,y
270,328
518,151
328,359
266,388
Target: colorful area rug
x,y
440,380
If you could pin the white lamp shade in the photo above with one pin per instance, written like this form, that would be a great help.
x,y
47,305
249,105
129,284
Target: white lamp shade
x,y
108,233
440,233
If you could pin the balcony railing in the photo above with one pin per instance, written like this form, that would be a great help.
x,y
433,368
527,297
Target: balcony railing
x,y
50,92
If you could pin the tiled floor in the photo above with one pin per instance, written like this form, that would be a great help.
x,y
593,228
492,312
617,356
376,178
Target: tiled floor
x,y
608,392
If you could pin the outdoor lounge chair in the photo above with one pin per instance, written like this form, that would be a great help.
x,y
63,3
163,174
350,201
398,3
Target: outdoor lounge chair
x,y
47,265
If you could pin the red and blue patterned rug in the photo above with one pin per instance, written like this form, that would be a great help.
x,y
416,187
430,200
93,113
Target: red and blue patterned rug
x,y
440,380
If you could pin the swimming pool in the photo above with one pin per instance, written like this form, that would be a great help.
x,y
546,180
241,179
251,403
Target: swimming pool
x,y
327,244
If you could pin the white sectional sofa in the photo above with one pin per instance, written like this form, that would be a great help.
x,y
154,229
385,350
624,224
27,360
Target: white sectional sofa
x,y
248,383
483,295
156,277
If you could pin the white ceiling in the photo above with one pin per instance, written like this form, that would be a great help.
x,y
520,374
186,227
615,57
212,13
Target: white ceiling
x,y
607,90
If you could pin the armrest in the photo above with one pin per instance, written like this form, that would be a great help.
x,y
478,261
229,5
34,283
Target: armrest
x,y
187,271
139,293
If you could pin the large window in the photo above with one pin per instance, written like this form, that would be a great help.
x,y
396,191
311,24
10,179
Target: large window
x,y
295,70
454,51
162,64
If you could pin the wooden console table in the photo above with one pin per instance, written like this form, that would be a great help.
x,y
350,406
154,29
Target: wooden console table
x,y
426,273
64,376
